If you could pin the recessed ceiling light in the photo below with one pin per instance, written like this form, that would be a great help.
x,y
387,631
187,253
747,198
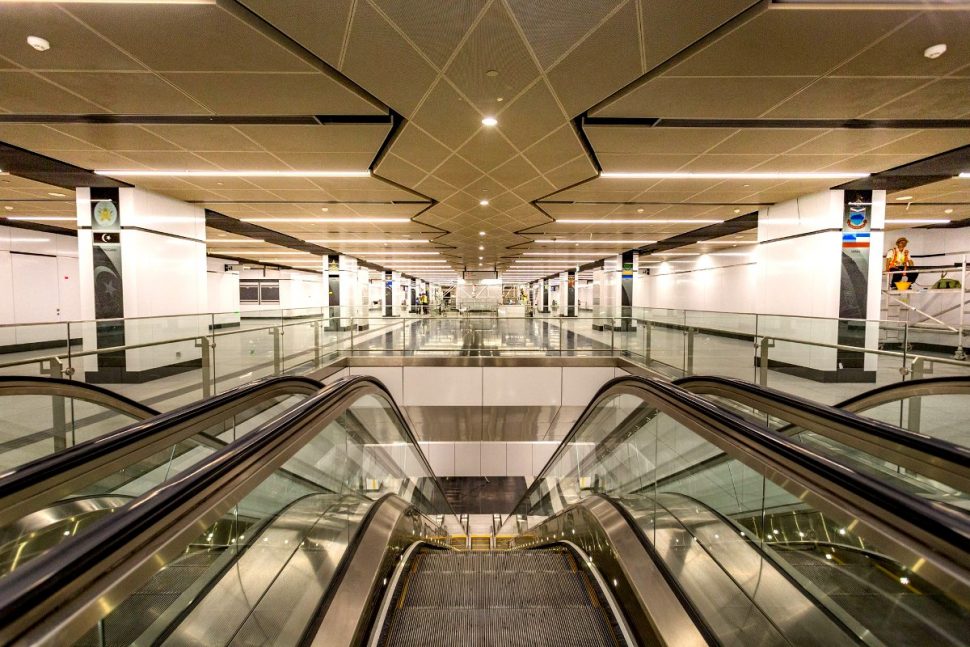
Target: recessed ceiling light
x,y
489,121
737,211
679,175
324,208
935,51
483,202
38,43
491,73
56,194
948,211
8,208
240,173
905,197
481,258
640,210
481,248
500,99
481,233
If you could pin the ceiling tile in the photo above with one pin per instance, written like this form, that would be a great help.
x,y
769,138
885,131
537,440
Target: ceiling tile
x,y
552,29
435,27
558,148
328,138
272,94
487,149
128,92
398,76
943,99
457,172
494,44
842,98
318,26
514,172
531,116
117,137
665,32
418,148
447,115
22,92
209,38
602,64
73,46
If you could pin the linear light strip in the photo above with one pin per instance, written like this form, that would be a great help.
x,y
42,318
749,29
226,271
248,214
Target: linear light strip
x,y
919,221
638,221
240,173
41,218
788,175
326,220
560,241
367,241
391,253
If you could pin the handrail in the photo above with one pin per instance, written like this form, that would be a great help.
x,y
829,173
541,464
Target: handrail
x,y
34,484
947,385
67,588
849,428
939,533
55,386
866,351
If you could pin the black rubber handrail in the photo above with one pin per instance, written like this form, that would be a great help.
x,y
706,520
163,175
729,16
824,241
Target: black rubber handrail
x,y
939,520
41,579
904,386
34,473
935,447
82,389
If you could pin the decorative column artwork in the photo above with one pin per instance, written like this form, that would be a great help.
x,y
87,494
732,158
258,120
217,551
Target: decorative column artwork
x,y
626,291
854,287
388,294
571,293
109,306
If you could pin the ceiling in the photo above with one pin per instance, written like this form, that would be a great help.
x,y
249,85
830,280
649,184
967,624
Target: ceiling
x,y
400,88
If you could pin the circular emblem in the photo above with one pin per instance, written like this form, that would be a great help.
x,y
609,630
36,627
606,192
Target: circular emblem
x,y
105,213
857,219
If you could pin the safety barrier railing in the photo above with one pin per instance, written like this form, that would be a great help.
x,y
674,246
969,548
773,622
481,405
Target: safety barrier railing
x,y
174,359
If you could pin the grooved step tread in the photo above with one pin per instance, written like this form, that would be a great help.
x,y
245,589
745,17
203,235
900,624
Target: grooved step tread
x,y
506,598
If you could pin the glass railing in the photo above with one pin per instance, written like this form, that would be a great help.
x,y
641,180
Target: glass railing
x,y
55,492
768,551
169,361
244,543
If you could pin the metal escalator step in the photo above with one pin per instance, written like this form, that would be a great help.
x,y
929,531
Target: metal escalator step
x,y
547,627
445,590
526,590
438,628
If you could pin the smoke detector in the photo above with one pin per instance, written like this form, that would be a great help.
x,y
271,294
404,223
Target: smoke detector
x,y
38,43
936,51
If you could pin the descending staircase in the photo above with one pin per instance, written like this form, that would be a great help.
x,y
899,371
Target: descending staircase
x,y
509,598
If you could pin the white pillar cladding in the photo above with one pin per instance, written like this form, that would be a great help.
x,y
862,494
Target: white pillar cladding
x,y
341,291
391,304
812,267
140,255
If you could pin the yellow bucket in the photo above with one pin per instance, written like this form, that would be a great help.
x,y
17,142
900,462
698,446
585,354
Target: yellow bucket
x,y
902,285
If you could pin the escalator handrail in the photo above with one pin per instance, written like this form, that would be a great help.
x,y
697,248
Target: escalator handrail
x,y
44,474
11,385
82,566
936,447
947,385
947,528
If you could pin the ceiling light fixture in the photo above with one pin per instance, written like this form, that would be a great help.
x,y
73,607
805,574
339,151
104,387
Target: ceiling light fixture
x,y
405,262
679,175
108,1
367,241
240,173
325,220
917,221
38,43
483,202
56,194
559,241
481,248
948,211
260,251
386,252
30,240
235,241
639,221
489,121
935,51
905,197
964,175
481,233
43,218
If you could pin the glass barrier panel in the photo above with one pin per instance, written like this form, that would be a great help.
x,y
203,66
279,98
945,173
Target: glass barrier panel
x,y
23,345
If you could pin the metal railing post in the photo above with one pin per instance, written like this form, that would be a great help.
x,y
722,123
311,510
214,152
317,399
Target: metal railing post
x,y
647,340
689,351
960,353
316,342
205,345
763,361
277,356
58,408
915,404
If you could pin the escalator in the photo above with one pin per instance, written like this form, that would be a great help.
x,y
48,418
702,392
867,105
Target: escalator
x,y
59,494
630,535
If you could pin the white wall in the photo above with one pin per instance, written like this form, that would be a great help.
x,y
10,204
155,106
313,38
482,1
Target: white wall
x,y
222,288
36,288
